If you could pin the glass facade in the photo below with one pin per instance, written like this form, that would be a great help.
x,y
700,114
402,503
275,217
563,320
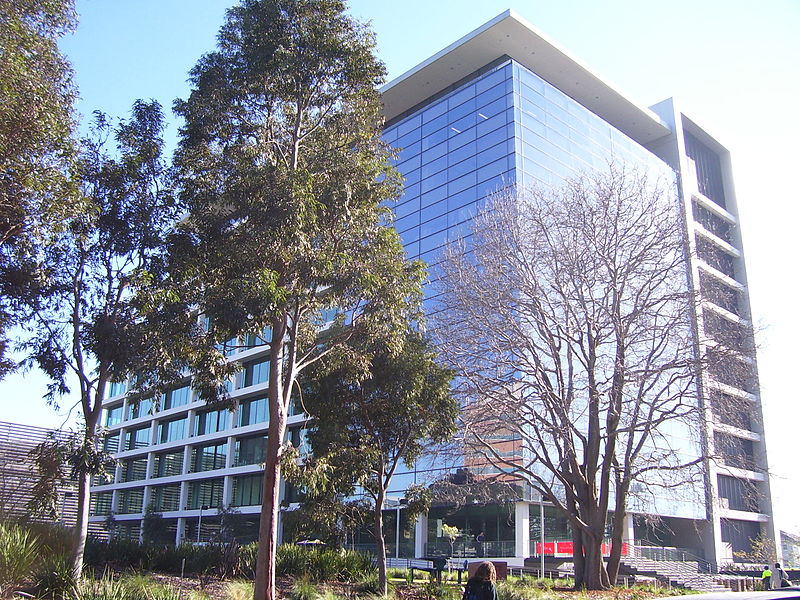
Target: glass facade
x,y
247,490
503,126
255,372
209,458
167,464
254,410
205,493
211,421
177,397
249,450
171,431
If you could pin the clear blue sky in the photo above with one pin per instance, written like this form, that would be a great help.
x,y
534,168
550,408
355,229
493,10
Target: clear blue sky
x,y
732,64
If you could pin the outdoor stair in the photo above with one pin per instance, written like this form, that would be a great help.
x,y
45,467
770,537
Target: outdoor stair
x,y
679,574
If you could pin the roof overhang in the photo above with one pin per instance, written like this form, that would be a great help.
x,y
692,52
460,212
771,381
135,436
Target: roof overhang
x,y
510,35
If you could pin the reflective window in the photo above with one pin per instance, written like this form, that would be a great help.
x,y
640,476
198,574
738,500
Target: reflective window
x,y
255,372
205,493
167,464
249,450
171,431
247,490
255,410
211,421
166,497
113,416
177,397
209,458
137,438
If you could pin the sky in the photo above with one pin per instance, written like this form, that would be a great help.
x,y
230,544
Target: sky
x,y
732,66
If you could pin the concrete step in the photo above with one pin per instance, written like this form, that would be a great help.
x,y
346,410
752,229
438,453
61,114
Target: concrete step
x,y
685,575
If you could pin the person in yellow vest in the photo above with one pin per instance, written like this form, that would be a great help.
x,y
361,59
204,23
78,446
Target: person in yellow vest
x,y
766,578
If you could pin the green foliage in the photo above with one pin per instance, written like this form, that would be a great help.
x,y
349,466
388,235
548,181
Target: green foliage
x,y
88,325
247,560
434,591
322,565
104,588
283,173
369,584
366,422
76,452
239,590
36,126
56,579
303,589
127,587
18,552
153,530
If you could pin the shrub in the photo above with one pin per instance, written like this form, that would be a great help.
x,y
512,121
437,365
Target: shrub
x,y
18,552
247,560
355,565
369,584
55,579
303,589
434,591
291,560
239,590
104,588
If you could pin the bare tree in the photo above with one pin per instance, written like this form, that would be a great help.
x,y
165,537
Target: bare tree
x,y
569,320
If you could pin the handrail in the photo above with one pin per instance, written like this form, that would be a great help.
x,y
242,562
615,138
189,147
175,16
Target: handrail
x,y
674,554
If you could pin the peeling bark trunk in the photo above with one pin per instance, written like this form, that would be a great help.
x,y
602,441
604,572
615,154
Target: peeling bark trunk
x,y
380,543
264,586
81,529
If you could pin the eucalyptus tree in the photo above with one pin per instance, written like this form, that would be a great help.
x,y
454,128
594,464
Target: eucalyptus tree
x,y
283,174
83,331
367,422
570,325
36,144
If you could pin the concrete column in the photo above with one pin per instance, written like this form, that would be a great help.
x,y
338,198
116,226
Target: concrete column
x,y
420,535
227,490
151,460
522,530
187,459
231,448
280,528
184,496
628,533
180,532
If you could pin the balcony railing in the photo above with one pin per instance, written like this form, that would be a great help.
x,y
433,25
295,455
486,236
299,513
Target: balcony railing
x,y
471,549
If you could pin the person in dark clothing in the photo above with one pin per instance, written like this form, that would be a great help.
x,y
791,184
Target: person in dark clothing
x,y
481,586
479,544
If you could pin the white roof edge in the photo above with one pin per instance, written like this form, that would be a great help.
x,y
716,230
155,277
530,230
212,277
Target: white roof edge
x,y
503,15
508,34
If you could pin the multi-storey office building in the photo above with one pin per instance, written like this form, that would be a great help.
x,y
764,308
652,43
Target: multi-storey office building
x,y
501,106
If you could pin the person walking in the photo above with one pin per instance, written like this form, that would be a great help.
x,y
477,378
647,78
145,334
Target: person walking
x,y
766,578
481,586
479,539
779,577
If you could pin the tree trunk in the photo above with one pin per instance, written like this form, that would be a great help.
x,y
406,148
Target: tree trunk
x,y
578,559
617,533
264,587
81,525
380,543
595,575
